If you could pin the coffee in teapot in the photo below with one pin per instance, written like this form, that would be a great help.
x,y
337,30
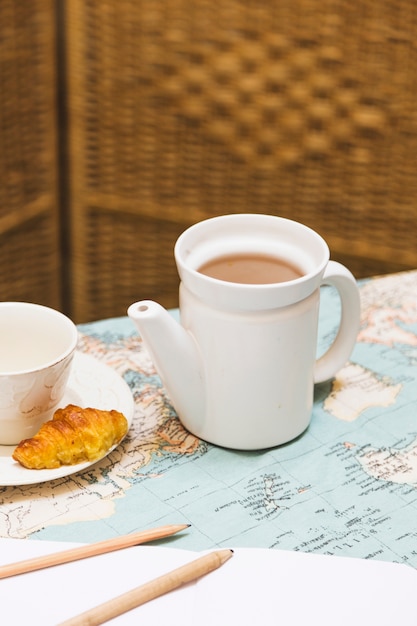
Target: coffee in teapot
x,y
251,269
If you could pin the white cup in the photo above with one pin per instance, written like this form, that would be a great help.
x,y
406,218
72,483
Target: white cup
x,y
241,371
37,345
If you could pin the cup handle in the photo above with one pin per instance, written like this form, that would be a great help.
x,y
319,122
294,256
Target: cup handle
x,y
338,276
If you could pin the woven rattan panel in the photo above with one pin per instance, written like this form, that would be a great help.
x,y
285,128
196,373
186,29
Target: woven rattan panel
x,y
181,110
29,261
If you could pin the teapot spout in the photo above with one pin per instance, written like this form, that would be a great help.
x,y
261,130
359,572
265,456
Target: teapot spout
x,y
175,356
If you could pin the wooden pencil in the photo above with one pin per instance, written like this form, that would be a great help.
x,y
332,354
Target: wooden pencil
x,y
151,590
88,550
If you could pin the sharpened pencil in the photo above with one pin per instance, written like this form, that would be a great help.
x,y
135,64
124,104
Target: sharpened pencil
x,y
151,590
93,549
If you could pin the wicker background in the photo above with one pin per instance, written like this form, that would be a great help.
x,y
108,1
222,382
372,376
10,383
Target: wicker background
x,y
30,263
181,110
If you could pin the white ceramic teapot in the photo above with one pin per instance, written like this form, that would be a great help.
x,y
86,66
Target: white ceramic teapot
x,y
240,368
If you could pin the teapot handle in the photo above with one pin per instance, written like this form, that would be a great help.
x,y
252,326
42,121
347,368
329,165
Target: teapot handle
x,y
338,276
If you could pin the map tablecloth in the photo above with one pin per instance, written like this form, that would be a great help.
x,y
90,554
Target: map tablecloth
x,y
347,486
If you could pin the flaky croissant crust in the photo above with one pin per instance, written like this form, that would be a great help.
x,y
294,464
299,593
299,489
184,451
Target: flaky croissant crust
x,y
73,435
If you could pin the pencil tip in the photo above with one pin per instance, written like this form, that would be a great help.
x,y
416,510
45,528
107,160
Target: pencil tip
x,y
188,525
232,551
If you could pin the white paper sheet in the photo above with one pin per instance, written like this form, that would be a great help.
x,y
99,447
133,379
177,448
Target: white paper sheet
x,y
253,587
294,588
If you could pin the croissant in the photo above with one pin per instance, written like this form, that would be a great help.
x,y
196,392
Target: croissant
x,y
73,435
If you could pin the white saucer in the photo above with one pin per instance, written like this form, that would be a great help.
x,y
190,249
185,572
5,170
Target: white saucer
x,y
91,384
